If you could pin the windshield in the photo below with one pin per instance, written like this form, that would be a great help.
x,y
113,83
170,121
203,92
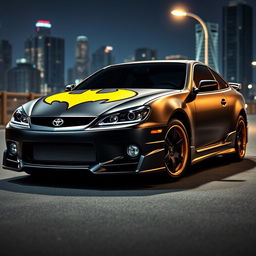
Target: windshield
x,y
138,75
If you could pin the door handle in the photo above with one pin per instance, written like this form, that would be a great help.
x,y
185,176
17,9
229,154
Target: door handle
x,y
223,102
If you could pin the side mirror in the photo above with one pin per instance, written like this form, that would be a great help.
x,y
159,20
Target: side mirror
x,y
207,85
236,86
70,87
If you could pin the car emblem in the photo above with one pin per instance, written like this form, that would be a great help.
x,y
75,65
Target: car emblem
x,y
58,122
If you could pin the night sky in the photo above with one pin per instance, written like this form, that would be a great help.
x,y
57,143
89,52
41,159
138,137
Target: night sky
x,y
125,25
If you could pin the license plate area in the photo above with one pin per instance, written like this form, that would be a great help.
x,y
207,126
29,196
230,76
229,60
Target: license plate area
x,y
64,153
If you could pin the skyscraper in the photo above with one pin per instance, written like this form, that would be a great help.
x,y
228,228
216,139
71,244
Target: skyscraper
x,y
43,28
5,62
213,31
70,76
145,54
102,57
47,54
23,78
82,68
237,44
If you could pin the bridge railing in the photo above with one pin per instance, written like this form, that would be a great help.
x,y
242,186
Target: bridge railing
x,y
251,107
9,101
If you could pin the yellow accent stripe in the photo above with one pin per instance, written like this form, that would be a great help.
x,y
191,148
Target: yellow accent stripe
x,y
155,142
155,151
151,170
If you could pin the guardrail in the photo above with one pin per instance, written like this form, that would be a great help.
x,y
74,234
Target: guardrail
x,y
9,101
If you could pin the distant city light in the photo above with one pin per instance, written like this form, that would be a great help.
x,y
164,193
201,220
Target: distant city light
x,y
21,60
249,86
43,24
108,49
253,63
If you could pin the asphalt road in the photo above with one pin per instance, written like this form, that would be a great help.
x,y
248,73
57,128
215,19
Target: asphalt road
x,y
211,211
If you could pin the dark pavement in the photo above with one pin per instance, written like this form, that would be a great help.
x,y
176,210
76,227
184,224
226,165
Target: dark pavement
x,y
210,211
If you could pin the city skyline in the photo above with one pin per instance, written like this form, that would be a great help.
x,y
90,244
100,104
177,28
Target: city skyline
x,y
106,25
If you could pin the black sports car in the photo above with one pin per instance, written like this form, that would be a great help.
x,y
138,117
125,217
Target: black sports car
x,y
131,118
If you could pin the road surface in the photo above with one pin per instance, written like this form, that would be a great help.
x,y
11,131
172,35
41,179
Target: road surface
x,y
211,211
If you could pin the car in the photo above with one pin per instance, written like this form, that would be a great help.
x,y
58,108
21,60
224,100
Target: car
x,y
131,118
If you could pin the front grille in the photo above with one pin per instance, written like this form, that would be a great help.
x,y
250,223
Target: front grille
x,y
60,153
68,121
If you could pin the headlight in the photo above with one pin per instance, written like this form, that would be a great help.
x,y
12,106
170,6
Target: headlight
x,y
128,116
20,117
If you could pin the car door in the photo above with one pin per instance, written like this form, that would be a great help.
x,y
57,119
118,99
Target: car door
x,y
211,111
224,88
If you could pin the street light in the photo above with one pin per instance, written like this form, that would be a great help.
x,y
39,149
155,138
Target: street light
x,y
206,36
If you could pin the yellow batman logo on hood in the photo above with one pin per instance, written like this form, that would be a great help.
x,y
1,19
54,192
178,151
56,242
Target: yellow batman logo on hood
x,y
73,99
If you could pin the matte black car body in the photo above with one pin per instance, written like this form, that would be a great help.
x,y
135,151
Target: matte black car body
x,y
210,118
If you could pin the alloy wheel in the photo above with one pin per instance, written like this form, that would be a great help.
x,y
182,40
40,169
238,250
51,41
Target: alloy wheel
x,y
176,148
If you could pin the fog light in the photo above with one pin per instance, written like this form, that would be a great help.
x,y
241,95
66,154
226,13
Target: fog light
x,y
133,151
13,148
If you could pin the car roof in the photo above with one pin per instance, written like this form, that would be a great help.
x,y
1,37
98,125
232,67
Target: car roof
x,y
156,61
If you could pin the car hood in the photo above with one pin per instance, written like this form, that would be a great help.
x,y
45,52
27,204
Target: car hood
x,y
92,103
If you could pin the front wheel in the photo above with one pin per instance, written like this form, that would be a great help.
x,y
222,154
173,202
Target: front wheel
x,y
176,149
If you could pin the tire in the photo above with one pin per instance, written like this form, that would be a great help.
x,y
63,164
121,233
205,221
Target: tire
x,y
177,150
240,140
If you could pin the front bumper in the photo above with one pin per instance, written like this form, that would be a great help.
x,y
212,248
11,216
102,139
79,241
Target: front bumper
x,y
106,150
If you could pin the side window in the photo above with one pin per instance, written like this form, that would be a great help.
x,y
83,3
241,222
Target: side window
x,y
201,73
222,83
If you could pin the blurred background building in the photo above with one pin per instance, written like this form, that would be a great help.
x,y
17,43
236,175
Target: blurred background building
x,y
82,68
5,63
130,58
24,78
176,57
102,57
213,31
237,44
47,54
82,61
145,54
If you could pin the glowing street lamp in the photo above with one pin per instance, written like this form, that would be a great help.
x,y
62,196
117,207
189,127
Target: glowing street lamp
x,y
206,36
178,13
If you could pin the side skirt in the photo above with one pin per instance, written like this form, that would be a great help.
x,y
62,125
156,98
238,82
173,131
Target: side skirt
x,y
220,152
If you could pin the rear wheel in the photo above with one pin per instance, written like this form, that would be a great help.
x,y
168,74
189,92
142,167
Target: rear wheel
x,y
176,149
241,139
